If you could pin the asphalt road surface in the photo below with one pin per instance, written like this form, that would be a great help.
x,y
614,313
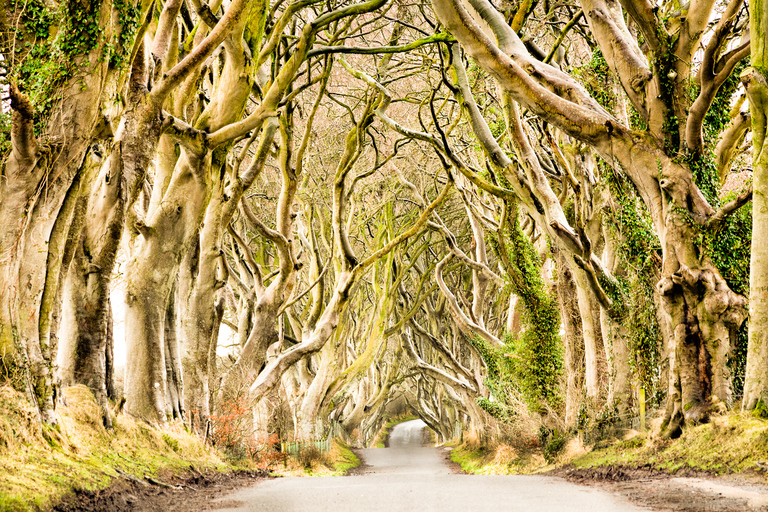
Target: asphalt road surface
x,y
409,477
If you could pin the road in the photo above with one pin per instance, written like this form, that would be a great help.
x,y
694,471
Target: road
x,y
409,477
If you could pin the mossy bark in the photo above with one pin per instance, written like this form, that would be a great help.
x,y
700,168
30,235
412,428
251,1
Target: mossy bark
x,y
754,78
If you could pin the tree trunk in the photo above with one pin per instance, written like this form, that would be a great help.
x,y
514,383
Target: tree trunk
x,y
591,335
756,380
39,184
574,343
156,254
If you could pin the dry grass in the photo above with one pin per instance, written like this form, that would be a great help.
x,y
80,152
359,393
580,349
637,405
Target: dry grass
x,y
39,465
500,459
311,462
574,448
732,443
18,425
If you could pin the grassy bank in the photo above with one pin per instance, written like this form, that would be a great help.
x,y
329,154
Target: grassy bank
x,y
733,443
312,462
502,459
729,444
39,465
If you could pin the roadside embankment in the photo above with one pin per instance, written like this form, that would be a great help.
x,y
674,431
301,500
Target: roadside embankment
x,y
41,465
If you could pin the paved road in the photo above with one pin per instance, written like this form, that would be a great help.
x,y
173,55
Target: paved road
x,y
409,477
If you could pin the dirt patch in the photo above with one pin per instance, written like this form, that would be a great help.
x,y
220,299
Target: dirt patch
x,y
455,467
361,468
189,491
684,492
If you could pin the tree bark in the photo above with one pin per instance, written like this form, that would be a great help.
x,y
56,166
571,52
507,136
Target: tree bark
x,y
756,381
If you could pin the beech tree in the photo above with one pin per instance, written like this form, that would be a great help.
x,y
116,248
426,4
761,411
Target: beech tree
x,y
756,384
382,200
659,160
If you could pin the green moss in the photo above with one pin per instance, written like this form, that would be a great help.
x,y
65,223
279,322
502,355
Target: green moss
x,y
52,42
760,410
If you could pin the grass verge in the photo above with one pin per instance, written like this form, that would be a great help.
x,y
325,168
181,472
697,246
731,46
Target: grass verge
x,y
310,461
40,465
502,459
736,443
732,443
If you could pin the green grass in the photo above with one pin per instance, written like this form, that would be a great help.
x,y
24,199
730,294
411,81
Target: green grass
x,y
345,461
41,465
733,443
471,460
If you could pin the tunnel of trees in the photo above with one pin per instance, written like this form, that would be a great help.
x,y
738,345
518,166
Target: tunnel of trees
x,y
492,214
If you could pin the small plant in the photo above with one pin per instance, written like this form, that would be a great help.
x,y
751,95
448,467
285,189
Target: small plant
x,y
309,456
171,442
760,410
554,447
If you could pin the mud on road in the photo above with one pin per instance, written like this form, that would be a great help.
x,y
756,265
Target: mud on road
x,y
684,492
186,492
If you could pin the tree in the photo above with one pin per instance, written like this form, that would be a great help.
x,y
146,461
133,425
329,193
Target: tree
x,y
756,384
659,160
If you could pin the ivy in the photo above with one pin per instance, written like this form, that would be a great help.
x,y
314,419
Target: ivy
x,y
81,31
38,19
718,116
495,409
533,362
128,16
704,172
598,78
638,249
5,135
664,67
53,39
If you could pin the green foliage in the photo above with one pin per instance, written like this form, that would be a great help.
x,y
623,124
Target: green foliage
x,y
718,116
495,409
40,76
129,16
598,79
760,410
5,135
533,362
637,248
38,19
81,31
729,247
704,172
553,443
52,38
172,443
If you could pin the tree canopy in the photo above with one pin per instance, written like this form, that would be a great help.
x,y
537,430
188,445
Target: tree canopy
x,y
500,214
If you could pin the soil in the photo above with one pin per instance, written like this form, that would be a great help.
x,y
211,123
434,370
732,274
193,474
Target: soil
x,y
188,491
455,467
688,491
683,492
